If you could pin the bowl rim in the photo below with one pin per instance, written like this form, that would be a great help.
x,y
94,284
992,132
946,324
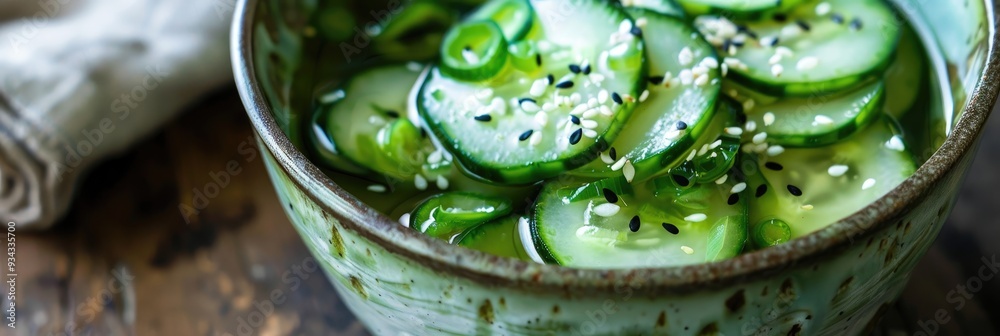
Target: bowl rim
x,y
437,255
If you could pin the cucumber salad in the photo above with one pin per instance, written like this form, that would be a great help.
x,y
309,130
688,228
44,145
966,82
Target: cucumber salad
x,y
639,133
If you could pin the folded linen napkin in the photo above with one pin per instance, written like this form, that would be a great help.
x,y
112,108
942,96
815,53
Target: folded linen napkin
x,y
81,80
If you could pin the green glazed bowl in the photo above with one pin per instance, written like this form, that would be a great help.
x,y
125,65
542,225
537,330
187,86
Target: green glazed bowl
x,y
836,281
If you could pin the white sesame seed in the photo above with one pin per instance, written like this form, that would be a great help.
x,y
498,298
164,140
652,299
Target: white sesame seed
x,y
791,30
837,170
549,107
725,69
605,110
823,8
751,126
748,105
644,96
775,59
589,133
641,22
699,70
628,171
702,80
822,120
777,70
784,51
530,106
618,165
687,250
377,188
722,179
420,182
734,131
703,150
536,138
715,144
686,77
588,124
376,120
484,94
603,96
593,112
405,219
499,105
576,98
606,158
579,109
607,209
674,82
808,207
694,152
768,40
759,138
685,57
775,150
696,218
442,182
738,188
673,134
807,63
710,62
435,157
869,183
768,119
542,119
896,144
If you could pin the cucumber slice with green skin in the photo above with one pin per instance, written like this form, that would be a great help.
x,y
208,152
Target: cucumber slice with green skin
x,y
515,128
905,77
499,237
771,232
665,7
416,32
808,53
515,17
364,123
447,215
474,51
676,113
811,188
736,8
820,120
651,228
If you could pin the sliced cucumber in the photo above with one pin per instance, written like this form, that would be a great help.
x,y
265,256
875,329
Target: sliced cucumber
x,y
515,17
499,237
447,215
811,188
363,122
820,46
736,8
819,120
651,228
905,78
474,51
416,32
677,113
515,128
665,7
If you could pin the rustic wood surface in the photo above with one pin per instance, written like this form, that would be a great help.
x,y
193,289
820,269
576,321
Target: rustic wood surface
x,y
125,260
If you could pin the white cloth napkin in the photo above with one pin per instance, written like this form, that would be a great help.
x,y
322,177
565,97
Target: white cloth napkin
x,y
81,80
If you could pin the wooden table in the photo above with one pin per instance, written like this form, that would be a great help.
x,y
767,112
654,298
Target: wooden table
x,y
125,261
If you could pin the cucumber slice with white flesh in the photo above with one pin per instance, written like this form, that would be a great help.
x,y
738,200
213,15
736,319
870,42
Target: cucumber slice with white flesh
x,y
515,127
819,120
445,216
677,112
906,76
364,123
514,17
649,228
811,188
416,32
665,7
819,46
738,8
501,237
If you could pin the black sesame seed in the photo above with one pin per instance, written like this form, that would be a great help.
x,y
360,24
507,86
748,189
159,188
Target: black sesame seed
x,y
837,18
574,119
617,98
656,80
636,31
392,114
586,69
634,223
738,44
741,118
551,78
538,59
610,195
575,68
774,166
761,190
614,154
780,17
467,48
565,85
483,117
423,133
575,137
804,25
733,199
774,42
856,24
525,100
795,191
681,126
671,228
681,180
726,44
526,135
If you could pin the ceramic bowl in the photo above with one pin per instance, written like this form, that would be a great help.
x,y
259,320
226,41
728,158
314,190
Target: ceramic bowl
x,y
836,281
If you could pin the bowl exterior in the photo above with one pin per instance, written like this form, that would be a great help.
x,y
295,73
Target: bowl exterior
x,y
836,292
